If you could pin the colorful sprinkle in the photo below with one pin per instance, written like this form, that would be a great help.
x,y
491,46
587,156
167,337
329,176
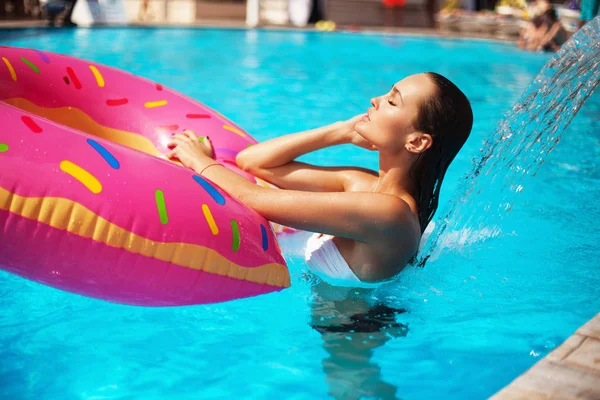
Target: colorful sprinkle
x,y
13,75
73,77
159,87
162,207
265,238
221,150
109,158
154,104
31,65
43,56
235,230
98,76
116,102
66,79
231,129
88,180
209,218
197,116
3,147
169,128
35,128
210,190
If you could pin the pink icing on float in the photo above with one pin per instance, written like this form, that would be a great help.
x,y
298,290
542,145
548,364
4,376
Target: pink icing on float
x,y
88,203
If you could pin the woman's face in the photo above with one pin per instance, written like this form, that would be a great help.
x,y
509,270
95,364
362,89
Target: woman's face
x,y
390,122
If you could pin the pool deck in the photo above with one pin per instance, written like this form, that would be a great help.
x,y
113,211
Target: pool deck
x,y
225,24
571,371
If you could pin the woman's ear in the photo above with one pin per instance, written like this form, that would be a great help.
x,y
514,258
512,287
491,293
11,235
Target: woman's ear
x,y
418,142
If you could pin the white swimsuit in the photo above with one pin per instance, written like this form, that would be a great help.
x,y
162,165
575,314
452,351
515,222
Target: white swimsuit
x,y
323,258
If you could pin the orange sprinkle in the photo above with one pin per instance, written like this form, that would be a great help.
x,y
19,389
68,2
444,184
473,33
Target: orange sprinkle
x,y
13,75
231,129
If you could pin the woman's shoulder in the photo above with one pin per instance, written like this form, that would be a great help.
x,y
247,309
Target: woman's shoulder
x,y
359,179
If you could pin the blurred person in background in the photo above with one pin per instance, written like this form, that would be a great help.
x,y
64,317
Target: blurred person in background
x,y
544,33
54,10
532,34
70,7
555,35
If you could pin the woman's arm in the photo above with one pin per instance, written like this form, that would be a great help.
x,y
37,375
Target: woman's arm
x,y
281,150
367,217
273,160
549,35
284,149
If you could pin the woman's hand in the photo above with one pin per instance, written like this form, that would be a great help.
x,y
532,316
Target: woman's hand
x,y
190,149
347,133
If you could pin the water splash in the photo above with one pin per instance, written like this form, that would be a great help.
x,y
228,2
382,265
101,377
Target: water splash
x,y
528,132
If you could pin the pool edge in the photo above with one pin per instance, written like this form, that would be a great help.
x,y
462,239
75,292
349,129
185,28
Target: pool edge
x,y
235,25
572,370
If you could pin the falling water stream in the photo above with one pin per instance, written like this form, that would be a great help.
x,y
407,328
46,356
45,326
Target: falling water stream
x,y
520,144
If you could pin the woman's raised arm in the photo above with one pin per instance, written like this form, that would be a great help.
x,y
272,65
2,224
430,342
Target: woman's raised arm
x,y
273,160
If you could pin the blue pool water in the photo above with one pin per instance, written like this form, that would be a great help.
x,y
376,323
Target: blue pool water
x,y
488,307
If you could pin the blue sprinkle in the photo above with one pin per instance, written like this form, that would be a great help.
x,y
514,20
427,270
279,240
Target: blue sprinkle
x,y
265,238
210,190
110,159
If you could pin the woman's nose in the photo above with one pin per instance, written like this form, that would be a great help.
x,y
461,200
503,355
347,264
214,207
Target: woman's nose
x,y
375,101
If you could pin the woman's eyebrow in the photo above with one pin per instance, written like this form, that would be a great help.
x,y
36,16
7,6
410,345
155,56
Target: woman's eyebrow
x,y
395,89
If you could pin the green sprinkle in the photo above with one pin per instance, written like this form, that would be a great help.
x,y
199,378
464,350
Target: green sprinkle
x,y
33,67
235,230
3,147
162,207
250,144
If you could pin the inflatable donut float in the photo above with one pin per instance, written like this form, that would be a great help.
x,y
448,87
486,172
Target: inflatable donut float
x,y
89,204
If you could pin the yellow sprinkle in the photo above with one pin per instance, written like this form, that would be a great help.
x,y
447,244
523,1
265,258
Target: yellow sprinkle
x,y
10,69
98,76
152,104
87,179
229,128
209,218
69,216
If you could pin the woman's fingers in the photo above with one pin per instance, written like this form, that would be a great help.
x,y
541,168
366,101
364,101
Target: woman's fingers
x,y
209,145
172,154
178,140
183,137
190,135
189,138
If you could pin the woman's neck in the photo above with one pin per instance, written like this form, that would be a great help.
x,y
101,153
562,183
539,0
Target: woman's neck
x,y
394,174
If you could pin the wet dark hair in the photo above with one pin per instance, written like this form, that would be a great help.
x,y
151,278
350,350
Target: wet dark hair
x,y
448,118
549,17
537,21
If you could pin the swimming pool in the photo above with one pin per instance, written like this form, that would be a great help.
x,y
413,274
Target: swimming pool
x,y
466,324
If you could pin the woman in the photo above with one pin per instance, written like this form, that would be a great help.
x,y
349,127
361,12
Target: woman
x,y
532,35
555,35
369,223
